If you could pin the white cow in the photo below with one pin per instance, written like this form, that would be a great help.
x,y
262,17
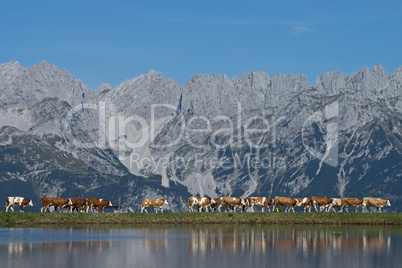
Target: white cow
x,y
374,202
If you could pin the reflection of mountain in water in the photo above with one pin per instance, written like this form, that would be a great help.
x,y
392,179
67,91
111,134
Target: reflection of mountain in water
x,y
202,246
311,241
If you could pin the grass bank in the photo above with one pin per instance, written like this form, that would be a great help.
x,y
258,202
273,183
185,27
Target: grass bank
x,y
29,218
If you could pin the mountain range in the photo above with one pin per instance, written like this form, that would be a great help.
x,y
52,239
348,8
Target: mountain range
x,y
149,137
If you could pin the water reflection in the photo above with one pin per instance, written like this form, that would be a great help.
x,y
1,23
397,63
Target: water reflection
x,y
18,248
208,245
52,247
311,241
155,238
376,242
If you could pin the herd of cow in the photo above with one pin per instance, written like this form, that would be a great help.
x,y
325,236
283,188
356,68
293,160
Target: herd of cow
x,y
210,204
319,203
69,204
234,203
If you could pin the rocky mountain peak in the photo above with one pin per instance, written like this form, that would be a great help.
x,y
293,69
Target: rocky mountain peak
x,y
397,75
44,65
377,72
330,83
378,69
10,70
11,64
30,85
44,72
153,73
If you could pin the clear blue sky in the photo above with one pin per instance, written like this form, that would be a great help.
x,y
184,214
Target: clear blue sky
x,y
111,41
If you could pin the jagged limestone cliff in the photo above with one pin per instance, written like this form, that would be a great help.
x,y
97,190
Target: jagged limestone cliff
x,y
150,137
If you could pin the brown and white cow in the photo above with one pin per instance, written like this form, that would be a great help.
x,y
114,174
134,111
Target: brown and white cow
x,y
97,204
374,202
200,203
263,202
351,201
153,203
322,202
231,203
304,202
337,203
289,202
57,202
17,201
80,204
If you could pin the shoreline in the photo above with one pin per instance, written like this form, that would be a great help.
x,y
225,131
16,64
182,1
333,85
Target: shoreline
x,y
299,218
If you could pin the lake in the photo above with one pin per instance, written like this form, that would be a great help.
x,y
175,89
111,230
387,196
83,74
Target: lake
x,y
201,246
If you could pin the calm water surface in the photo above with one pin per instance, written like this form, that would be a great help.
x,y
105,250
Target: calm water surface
x,y
201,246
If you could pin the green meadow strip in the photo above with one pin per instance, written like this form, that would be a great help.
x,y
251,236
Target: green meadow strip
x,y
29,218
